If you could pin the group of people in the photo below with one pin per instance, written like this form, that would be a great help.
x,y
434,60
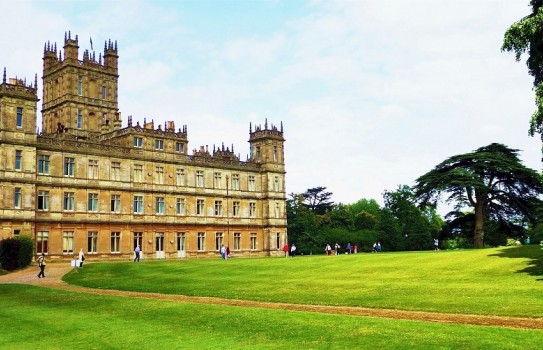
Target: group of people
x,y
349,249
42,262
225,252
289,251
376,247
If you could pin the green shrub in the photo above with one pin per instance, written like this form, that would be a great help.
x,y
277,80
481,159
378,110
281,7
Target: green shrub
x,y
26,251
513,242
9,252
457,243
16,252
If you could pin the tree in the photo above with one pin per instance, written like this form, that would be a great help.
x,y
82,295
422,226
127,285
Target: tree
x,y
492,180
415,224
317,200
527,35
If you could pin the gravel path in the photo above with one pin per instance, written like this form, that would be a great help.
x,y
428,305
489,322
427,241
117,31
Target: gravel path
x,y
54,273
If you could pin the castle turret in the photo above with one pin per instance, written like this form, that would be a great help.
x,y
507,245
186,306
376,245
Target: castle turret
x,y
71,47
267,145
111,57
79,96
18,108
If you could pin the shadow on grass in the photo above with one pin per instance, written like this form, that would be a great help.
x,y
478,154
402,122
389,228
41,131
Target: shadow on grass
x,y
532,252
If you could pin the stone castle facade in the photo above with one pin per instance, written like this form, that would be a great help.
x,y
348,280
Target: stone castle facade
x,y
86,182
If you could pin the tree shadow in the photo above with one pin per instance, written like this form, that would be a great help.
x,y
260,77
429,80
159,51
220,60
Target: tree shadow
x,y
532,252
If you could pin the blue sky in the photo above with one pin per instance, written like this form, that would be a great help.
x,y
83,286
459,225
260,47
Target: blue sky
x,y
372,94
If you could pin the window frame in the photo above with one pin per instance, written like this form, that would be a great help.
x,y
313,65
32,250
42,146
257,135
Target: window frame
x,y
69,167
18,160
17,197
137,204
42,203
159,144
92,242
19,118
160,206
92,202
43,164
68,203
138,142
115,242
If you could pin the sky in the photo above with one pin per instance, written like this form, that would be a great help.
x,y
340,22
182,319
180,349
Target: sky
x,y
372,94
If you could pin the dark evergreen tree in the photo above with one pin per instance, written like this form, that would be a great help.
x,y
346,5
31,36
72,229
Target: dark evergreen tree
x,y
491,180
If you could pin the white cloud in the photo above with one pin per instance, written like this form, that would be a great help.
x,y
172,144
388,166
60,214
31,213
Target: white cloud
x,y
372,93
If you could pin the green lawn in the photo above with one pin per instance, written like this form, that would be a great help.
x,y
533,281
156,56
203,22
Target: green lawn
x,y
39,318
504,281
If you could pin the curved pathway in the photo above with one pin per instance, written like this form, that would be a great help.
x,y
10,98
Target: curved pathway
x,y
54,273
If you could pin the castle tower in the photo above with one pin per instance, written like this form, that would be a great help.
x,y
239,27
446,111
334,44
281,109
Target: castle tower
x,y
79,96
266,145
18,109
18,102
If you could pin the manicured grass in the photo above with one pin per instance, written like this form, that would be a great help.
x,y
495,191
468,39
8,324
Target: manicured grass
x,y
504,281
39,318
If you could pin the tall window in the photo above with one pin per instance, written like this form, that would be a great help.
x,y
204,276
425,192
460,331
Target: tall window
x,y
92,203
160,175
42,240
93,169
278,240
257,152
200,207
69,200
276,184
115,206
179,147
43,164
275,153
68,242
201,241
43,200
218,240
277,211
252,209
80,85
253,241
199,178
159,205
18,159
115,242
237,241
138,142
217,180
235,209
19,121
17,198
138,204
138,240
104,91
180,177
159,145
180,206
92,242
159,241
116,171
235,181
69,166
181,241
251,183
79,118
218,208
138,173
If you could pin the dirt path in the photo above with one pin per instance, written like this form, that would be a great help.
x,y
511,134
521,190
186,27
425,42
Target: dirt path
x,y
54,273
